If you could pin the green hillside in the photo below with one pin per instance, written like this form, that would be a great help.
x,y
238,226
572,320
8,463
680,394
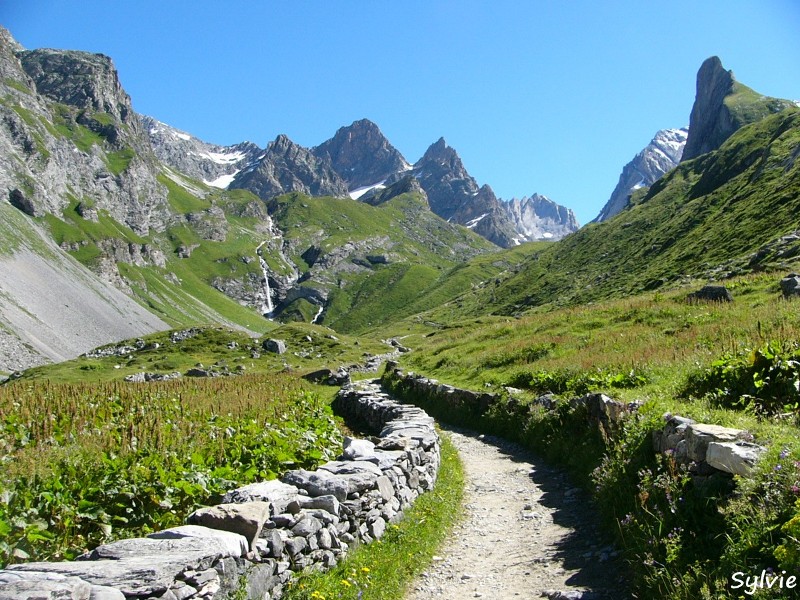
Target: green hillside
x,y
710,218
371,262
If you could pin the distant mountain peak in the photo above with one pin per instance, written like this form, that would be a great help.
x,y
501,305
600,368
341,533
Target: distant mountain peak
x,y
660,156
537,217
361,155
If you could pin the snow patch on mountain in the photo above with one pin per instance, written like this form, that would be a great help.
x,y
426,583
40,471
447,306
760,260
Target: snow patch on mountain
x,y
473,222
358,192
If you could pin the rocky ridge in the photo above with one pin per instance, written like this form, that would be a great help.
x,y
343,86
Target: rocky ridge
x,y
660,156
56,100
361,155
213,164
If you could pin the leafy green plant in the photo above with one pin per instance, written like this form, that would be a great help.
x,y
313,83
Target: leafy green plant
x,y
766,379
81,465
566,381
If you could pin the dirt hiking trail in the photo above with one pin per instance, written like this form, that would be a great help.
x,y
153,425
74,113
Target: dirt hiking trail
x,y
526,533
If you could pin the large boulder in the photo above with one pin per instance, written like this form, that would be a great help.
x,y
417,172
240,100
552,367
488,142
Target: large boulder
x,y
790,285
274,346
700,435
711,293
737,458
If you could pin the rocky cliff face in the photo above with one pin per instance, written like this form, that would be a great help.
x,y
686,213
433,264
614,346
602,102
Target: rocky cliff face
x,y
288,167
711,122
539,218
722,105
68,131
660,156
215,165
454,195
361,155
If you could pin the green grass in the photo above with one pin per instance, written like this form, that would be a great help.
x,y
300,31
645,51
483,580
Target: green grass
x,y
748,106
66,125
417,246
648,348
309,347
119,160
383,570
181,200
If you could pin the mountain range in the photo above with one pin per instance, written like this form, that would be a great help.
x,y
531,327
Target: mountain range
x,y
357,162
117,224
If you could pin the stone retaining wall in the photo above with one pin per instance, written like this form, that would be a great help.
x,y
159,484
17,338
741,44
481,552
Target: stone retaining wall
x,y
263,532
706,449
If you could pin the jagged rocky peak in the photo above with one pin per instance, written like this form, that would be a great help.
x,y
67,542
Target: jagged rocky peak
x,y
710,123
443,155
537,217
362,155
46,166
214,164
288,167
721,106
10,68
660,156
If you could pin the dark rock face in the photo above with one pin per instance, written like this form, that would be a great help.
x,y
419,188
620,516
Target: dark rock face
x,y
454,195
288,167
723,105
361,155
87,81
710,123
660,156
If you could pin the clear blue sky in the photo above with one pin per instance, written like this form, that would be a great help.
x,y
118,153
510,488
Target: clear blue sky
x,y
549,97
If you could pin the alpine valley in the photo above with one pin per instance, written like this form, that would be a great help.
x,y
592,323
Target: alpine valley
x,y
171,310
154,228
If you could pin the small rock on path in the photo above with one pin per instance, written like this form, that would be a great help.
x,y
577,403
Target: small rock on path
x,y
527,533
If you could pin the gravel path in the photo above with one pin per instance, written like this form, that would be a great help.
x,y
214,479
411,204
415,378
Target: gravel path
x,y
526,534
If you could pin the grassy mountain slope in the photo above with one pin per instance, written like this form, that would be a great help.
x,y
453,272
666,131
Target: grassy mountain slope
x,y
179,290
52,308
370,262
308,347
709,218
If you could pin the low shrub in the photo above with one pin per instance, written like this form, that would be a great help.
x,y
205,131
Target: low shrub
x,y
765,380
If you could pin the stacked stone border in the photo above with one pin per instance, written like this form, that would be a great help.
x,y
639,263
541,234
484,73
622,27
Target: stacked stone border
x,y
706,449
250,546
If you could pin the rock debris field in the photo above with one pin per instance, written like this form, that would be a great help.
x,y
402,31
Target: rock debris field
x,y
526,533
